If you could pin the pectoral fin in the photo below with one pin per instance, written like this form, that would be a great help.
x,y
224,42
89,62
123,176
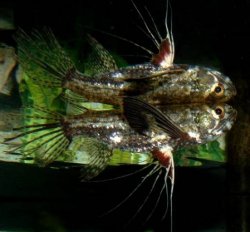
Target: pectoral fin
x,y
143,118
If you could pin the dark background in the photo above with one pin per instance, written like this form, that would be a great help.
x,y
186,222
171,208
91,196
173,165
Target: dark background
x,y
213,33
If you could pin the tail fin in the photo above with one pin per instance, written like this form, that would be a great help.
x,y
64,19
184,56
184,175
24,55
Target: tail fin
x,y
42,57
42,137
43,140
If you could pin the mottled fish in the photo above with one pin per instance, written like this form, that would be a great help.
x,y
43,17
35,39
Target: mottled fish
x,y
140,128
158,82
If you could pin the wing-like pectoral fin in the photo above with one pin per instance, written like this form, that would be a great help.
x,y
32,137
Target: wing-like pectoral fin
x,y
145,118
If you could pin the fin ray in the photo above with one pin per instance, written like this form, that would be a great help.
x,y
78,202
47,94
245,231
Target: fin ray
x,y
100,60
143,117
99,156
42,57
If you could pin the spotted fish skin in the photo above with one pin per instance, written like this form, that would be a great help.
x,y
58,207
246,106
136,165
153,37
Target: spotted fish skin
x,y
139,127
45,61
154,84
198,124
144,128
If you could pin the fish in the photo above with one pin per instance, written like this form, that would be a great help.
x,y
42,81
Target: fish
x,y
160,81
141,127
140,90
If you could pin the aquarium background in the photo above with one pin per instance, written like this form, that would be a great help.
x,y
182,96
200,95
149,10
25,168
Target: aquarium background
x,y
214,197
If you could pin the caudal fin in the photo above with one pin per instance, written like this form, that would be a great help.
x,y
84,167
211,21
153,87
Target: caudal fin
x,y
42,57
40,138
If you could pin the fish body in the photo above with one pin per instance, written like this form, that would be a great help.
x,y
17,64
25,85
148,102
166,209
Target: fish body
x,y
141,127
197,124
154,84
158,82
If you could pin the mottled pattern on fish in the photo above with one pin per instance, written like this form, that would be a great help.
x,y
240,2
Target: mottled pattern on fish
x,y
140,128
154,84
158,83
201,123
189,84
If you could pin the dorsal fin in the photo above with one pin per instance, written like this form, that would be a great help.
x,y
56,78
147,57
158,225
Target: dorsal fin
x,y
100,60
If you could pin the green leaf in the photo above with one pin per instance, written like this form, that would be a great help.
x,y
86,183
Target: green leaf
x,y
210,151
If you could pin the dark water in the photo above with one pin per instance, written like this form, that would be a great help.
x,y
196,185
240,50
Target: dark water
x,y
212,33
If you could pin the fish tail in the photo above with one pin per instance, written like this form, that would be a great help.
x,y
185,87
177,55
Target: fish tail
x,y
42,57
41,138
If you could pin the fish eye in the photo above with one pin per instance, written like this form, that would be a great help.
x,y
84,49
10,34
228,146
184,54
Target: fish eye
x,y
218,89
219,112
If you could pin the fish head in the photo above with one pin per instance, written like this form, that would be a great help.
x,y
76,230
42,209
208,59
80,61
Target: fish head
x,y
213,121
202,122
213,85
